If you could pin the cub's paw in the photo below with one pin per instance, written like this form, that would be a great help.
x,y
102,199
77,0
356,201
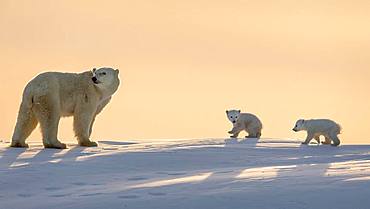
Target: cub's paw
x,y
304,143
88,144
230,132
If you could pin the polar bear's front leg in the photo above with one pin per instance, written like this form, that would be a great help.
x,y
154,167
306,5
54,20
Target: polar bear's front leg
x,y
82,122
235,135
235,131
335,139
91,126
308,138
47,111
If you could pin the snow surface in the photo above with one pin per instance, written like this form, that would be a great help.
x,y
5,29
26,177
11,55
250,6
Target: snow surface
x,y
186,174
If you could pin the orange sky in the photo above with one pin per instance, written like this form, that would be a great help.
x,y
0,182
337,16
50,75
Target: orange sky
x,y
183,63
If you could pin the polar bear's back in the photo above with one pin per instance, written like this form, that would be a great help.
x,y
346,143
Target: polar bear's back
x,y
323,126
250,119
66,89
55,81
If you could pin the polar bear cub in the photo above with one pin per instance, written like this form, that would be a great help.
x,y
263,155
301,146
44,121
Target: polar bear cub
x,y
52,95
244,121
319,127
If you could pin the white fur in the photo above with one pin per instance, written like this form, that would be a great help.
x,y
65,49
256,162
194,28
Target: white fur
x,y
53,95
244,121
319,127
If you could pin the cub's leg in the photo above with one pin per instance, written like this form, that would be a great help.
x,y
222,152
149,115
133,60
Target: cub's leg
x,y
327,140
82,122
235,134
254,133
26,123
258,134
47,113
335,139
317,138
235,131
308,138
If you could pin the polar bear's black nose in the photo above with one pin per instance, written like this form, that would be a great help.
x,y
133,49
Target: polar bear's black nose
x,y
94,79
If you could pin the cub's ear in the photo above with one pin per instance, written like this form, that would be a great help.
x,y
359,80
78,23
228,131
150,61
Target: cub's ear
x,y
239,111
94,69
227,112
117,71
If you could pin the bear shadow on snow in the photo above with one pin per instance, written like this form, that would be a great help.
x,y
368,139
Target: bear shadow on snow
x,y
9,156
116,142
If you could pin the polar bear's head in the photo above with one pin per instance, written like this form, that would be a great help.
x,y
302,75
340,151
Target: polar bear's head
x,y
233,115
106,79
299,125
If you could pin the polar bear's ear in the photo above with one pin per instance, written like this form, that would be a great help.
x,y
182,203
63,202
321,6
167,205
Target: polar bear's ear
x,y
117,71
227,112
239,111
94,69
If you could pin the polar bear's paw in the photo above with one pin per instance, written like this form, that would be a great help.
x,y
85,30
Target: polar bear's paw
x,y
304,143
324,142
88,144
56,146
19,145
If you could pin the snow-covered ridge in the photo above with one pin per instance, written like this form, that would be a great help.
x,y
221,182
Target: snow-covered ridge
x,y
207,173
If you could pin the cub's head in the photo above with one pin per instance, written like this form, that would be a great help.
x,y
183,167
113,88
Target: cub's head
x,y
299,125
233,115
106,79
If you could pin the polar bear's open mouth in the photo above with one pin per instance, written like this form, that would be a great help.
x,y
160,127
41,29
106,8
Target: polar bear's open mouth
x,y
95,80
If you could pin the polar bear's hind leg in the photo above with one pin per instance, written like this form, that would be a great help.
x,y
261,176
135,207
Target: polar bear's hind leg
x,y
317,138
327,140
254,132
26,123
253,135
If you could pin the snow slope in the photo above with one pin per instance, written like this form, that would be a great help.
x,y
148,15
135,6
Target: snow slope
x,y
187,174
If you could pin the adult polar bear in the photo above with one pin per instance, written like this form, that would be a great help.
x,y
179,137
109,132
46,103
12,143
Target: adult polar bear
x,y
53,95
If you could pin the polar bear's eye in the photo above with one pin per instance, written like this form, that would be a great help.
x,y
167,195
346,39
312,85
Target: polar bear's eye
x,y
103,73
